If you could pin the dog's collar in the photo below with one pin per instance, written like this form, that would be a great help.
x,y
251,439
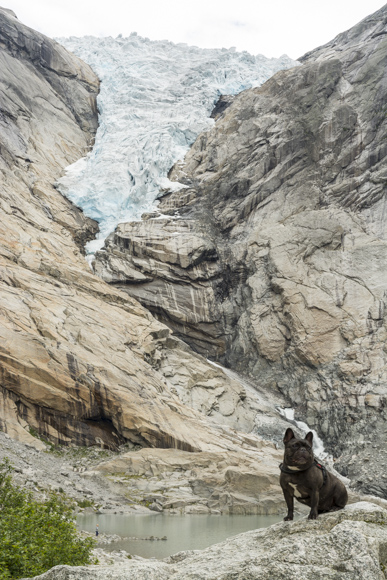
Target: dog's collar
x,y
285,469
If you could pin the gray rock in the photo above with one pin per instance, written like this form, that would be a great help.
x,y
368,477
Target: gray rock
x,y
57,102
155,507
79,361
242,482
221,105
287,194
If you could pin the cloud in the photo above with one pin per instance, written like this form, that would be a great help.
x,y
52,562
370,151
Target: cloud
x,y
271,28
238,23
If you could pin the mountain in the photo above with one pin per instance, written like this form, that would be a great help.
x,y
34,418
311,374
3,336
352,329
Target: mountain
x,y
271,258
156,97
68,339
82,363
266,254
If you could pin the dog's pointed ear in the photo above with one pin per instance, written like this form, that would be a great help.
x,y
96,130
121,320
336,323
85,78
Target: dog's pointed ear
x,y
309,438
288,435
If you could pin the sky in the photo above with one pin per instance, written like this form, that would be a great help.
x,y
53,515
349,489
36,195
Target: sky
x,y
270,27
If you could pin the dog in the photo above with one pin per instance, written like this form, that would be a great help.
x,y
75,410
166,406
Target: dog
x,y
304,478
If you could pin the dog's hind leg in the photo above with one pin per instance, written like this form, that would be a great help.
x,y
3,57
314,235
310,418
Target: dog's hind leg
x,y
340,499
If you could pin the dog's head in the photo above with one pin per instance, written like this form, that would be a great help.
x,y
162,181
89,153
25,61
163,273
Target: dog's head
x,y
298,452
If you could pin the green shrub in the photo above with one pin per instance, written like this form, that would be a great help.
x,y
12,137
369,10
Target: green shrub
x,y
85,503
34,536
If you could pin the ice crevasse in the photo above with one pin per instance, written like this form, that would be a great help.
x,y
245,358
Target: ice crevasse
x,y
155,98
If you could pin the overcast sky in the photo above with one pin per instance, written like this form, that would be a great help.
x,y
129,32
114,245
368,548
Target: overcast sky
x,y
269,27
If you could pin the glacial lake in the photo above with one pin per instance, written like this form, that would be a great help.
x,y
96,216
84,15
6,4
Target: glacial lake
x,y
185,532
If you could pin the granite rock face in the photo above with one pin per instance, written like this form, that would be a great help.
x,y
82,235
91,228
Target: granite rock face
x,y
273,258
186,261
345,545
47,119
241,481
82,362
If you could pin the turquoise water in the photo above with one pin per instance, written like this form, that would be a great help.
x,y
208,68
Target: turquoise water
x,y
186,532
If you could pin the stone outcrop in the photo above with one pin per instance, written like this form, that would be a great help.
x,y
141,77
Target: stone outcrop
x,y
243,481
48,118
221,105
82,362
345,545
185,260
272,257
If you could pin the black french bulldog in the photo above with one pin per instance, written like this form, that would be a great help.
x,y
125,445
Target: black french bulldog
x,y
307,480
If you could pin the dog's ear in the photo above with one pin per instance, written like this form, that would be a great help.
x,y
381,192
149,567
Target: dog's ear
x,y
309,438
288,435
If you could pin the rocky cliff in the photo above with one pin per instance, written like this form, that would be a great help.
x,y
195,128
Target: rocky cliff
x,y
272,259
80,361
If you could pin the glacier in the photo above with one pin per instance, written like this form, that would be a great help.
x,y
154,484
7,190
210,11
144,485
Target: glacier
x,y
155,98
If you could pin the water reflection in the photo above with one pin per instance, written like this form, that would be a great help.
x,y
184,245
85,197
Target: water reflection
x,y
188,532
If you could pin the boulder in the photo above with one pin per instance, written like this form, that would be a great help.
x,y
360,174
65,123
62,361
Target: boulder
x,y
243,481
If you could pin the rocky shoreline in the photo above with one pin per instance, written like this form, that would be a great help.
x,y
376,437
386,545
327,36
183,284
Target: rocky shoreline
x,y
151,480
345,545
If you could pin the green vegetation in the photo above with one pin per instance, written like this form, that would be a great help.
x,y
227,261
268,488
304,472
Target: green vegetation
x,y
35,434
85,503
34,536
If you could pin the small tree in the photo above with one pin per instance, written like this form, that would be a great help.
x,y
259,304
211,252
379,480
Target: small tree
x,y
34,536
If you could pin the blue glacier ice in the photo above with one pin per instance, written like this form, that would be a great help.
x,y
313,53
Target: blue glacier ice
x,y
155,98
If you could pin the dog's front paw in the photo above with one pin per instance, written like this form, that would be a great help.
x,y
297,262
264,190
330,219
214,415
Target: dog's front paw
x,y
312,516
288,518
